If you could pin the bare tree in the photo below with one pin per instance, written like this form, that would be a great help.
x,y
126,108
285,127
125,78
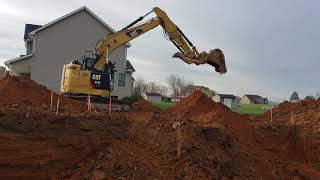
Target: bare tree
x,y
152,87
140,87
172,81
178,85
163,90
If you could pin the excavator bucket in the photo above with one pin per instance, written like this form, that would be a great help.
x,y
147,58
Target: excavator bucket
x,y
215,58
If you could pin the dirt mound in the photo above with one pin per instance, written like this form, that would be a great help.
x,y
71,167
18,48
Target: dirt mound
x,y
21,92
302,129
195,139
143,105
306,112
200,108
42,145
198,104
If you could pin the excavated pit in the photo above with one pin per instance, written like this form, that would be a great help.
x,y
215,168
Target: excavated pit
x,y
194,139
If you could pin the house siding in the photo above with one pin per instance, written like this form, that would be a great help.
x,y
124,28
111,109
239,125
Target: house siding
x,y
154,99
245,100
66,40
216,98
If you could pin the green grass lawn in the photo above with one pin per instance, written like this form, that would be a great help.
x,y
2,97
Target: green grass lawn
x,y
252,109
163,105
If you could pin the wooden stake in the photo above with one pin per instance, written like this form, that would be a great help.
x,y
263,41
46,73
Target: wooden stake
x,y
89,103
94,109
58,102
51,99
292,121
110,103
271,115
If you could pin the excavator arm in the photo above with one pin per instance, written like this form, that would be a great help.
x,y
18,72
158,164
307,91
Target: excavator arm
x,y
187,52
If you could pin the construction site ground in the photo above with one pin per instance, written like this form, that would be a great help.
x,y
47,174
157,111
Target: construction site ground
x,y
194,139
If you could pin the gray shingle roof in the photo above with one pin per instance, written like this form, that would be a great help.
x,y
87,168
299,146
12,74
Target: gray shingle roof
x,y
153,94
29,28
253,97
129,66
227,96
7,63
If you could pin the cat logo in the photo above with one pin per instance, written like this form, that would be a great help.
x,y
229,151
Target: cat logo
x,y
96,77
134,33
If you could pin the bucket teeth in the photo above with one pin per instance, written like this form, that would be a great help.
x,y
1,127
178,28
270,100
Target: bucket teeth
x,y
215,58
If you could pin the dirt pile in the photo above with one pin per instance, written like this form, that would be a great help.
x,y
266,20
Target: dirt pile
x,y
195,139
22,92
304,112
39,145
295,126
164,144
200,108
143,105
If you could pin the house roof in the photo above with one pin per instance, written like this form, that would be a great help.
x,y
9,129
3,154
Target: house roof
x,y
29,28
33,29
227,96
129,66
253,97
7,63
72,13
153,94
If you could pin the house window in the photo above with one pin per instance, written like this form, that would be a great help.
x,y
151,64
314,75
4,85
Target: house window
x,y
122,80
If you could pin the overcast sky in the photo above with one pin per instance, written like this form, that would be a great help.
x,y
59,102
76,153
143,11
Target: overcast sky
x,y
271,47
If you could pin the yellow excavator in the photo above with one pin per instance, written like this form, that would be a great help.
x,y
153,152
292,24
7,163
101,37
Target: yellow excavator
x,y
94,75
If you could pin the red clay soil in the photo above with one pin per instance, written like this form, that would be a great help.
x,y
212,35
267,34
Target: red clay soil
x,y
21,92
295,126
301,113
202,109
195,139
143,105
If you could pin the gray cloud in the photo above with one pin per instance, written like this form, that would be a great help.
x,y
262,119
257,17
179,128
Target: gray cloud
x,y
271,47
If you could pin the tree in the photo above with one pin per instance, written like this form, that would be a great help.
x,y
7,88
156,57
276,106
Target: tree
x,y
172,81
155,88
309,98
163,90
317,95
294,96
152,87
178,85
140,87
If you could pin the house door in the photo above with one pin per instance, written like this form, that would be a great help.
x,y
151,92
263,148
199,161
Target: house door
x,y
227,102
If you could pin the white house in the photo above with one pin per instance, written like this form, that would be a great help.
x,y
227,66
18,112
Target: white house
x,y
228,100
52,45
153,97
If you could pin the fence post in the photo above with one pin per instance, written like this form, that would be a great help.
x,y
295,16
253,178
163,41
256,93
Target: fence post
x,y
58,103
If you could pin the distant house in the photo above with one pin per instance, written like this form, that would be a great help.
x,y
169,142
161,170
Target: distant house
x,y
50,46
253,99
153,97
228,100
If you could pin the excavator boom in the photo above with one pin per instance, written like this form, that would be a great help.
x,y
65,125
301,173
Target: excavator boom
x,y
187,52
